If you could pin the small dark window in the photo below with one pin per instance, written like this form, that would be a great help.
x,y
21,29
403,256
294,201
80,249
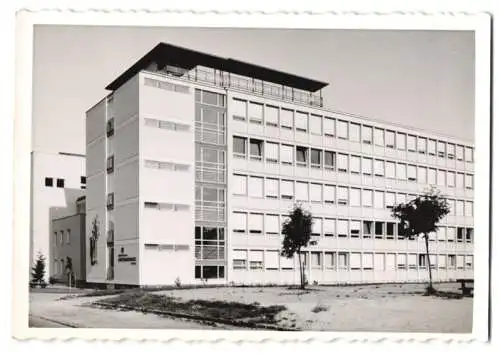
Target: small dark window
x,y
209,272
83,180
110,127
111,201
49,182
60,183
110,164
197,272
221,271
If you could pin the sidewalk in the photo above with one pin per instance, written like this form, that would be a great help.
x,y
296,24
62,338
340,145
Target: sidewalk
x,y
46,306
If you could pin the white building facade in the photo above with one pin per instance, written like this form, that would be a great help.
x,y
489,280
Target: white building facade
x,y
194,161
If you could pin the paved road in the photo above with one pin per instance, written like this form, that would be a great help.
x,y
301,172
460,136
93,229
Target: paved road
x,y
35,321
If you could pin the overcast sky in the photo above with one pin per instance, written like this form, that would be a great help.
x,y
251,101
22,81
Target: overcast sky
x,y
423,79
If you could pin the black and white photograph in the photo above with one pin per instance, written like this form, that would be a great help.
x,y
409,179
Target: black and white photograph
x,y
262,178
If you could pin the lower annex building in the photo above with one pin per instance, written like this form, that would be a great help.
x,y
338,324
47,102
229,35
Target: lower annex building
x,y
193,162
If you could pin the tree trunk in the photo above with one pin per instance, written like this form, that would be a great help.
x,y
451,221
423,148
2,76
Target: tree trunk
x,y
300,271
426,237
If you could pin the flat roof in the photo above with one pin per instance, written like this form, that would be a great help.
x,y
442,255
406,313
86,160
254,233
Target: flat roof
x,y
168,54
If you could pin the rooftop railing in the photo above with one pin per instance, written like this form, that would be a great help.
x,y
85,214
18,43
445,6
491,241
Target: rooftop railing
x,y
242,83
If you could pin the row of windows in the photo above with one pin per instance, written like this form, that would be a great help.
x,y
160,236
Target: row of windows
x,y
165,85
162,206
60,267
49,182
210,98
168,125
271,260
272,188
62,237
344,163
270,224
329,127
148,163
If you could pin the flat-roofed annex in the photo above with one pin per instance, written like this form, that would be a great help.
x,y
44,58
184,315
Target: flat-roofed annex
x,y
168,54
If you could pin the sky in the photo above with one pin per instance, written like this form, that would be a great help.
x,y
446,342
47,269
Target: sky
x,y
423,79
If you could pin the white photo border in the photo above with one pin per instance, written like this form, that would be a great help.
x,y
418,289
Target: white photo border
x,y
480,23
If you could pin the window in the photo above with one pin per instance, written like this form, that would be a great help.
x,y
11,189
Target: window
x,y
301,156
460,153
239,184
440,149
329,160
355,197
316,192
379,230
329,127
256,187
401,141
271,259
342,129
343,261
329,227
240,109
468,261
450,179
460,180
422,261
401,261
239,259
255,223
315,124
460,234
286,119
240,222
390,230
401,171
315,158
367,261
460,262
390,199
468,209
412,173
452,262
378,167
271,115
239,147
367,198
256,149
441,178
378,137
286,189
379,262
468,181
272,152
342,162
110,203
367,134
390,139
256,113
400,198
110,164
110,127
83,180
412,261
460,208
367,166
390,170
422,145
431,147
342,226
272,225
412,143
286,263
367,229
49,182
432,176
301,121
452,234
330,259
355,261
354,132
469,234
378,199
441,234
286,154
355,229
256,259
452,204
272,188
342,196
316,227
60,183
329,194
422,175
301,192
355,164
451,151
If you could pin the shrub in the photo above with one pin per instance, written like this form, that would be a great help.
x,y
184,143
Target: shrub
x,y
52,280
177,282
318,308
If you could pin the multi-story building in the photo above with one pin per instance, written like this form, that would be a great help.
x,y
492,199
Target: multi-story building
x,y
57,179
193,162
68,245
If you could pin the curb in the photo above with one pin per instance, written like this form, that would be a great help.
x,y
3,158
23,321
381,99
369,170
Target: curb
x,y
194,317
64,323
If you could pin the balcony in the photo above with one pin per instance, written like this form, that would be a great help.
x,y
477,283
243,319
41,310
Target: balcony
x,y
228,80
